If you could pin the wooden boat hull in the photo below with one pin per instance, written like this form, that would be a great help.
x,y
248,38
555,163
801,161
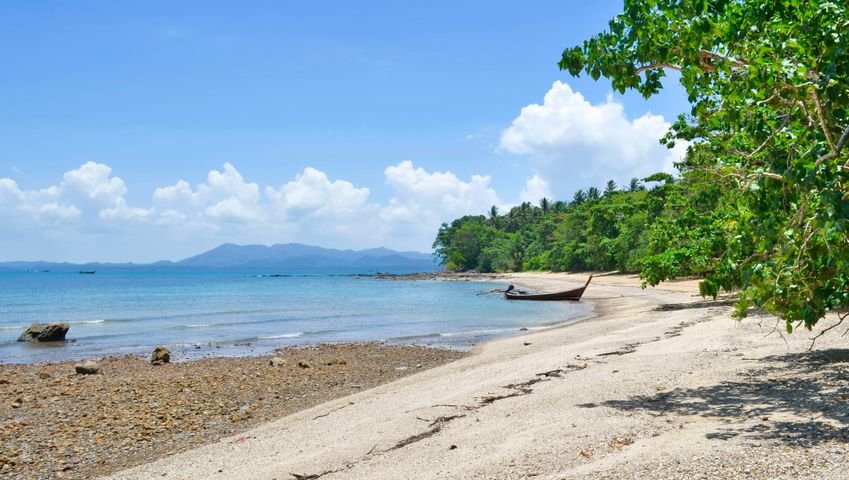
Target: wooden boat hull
x,y
571,295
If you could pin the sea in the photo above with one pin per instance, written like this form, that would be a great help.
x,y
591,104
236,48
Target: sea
x,y
201,312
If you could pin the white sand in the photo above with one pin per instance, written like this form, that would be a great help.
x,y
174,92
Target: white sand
x,y
632,393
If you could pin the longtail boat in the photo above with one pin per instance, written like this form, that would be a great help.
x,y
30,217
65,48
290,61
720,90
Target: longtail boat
x,y
574,294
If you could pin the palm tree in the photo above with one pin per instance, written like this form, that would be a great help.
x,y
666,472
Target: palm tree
x,y
559,206
611,188
593,194
579,198
544,204
635,185
493,216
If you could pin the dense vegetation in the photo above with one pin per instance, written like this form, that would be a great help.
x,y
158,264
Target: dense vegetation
x,y
769,87
669,229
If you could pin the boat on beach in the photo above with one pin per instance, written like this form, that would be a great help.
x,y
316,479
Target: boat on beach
x,y
573,295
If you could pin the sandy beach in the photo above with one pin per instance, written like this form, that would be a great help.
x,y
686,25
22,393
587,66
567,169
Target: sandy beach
x,y
657,384
638,391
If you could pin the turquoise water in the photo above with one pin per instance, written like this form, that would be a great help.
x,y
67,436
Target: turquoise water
x,y
199,313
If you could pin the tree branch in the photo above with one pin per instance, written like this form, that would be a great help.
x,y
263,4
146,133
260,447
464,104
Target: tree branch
x,y
656,66
826,330
837,149
821,116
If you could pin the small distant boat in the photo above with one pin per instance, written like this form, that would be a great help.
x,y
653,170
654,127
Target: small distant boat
x,y
574,294
88,272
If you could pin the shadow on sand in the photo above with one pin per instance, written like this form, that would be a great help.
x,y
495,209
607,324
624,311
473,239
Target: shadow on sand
x,y
799,399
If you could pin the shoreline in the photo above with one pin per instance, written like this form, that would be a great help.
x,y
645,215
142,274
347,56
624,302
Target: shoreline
x,y
74,349
55,423
637,391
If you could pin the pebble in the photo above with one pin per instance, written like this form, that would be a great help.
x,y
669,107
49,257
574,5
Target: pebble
x,y
132,414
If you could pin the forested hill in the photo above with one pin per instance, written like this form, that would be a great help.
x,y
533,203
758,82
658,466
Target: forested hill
x,y
662,228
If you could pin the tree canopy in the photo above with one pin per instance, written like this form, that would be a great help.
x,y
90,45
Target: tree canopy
x,y
769,88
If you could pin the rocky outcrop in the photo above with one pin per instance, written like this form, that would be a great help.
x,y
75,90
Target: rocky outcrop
x,y
45,332
160,356
276,362
87,368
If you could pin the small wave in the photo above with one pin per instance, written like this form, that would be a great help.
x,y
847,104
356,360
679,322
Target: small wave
x,y
12,327
198,325
407,338
282,335
494,331
88,322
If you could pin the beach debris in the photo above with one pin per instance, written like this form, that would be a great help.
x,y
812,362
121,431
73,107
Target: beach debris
x,y
620,442
528,343
337,361
88,367
452,447
303,365
625,350
161,355
586,453
335,409
45,332
276,362
305,476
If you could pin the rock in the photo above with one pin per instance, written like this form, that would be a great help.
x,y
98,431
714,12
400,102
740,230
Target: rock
x,y
523,329
276,362
45,332
160,355
87,368
303,364
44,375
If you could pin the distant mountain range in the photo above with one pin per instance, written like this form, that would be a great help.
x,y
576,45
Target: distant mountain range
x,y
281,256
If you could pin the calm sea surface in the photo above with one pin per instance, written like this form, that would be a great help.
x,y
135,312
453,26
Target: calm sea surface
x,y
202,312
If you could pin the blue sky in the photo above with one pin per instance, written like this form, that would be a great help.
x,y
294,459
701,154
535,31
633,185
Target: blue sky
x,y
334,123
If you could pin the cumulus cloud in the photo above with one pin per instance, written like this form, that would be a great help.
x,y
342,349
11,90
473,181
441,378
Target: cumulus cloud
x,y
312,193
421,193
573,144
94,180
535,189
225,196
89,190
89,203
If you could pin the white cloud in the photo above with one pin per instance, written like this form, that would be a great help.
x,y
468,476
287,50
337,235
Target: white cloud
x,y
424,200
88,190
418,191
535,189
88,212
573,144
313,193
225,196
94,181
122,211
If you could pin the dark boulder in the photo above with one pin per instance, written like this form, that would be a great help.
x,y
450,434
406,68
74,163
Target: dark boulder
x,y
160,355
87,368
45,332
